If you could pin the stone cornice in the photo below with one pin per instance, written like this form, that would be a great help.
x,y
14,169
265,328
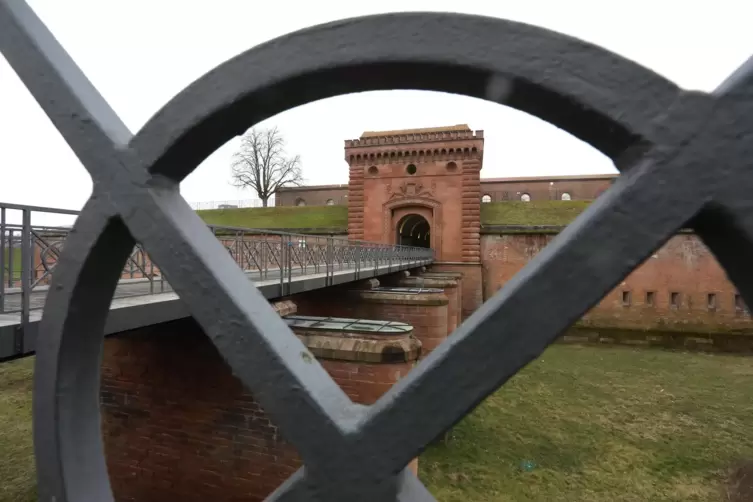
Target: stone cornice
x,y
417,137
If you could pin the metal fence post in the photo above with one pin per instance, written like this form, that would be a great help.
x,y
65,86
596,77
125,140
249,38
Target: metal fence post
x,y
330,262
26,267
264,266
290,262
357,260
283,258
2,260
11,259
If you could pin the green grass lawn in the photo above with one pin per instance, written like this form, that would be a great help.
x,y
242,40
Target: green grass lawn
x,y
544,212
556,213
17,482
279,217
580,424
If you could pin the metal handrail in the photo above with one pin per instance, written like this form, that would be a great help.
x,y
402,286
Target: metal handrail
x,y
263,254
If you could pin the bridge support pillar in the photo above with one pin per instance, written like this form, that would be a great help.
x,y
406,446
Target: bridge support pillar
x,y
450,287
178,425
426,311
458,277
472,284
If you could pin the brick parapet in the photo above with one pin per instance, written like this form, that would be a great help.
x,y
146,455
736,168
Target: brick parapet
x,y
455,133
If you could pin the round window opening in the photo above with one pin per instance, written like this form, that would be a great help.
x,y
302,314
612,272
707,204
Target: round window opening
x,y
525,197
566,196
411,169
373,170
330,202
486,198
451,166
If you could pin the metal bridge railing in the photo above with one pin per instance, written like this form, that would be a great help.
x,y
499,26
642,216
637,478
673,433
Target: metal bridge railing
x,y
29,254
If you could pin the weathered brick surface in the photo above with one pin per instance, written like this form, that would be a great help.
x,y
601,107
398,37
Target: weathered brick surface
x,y
444,188
177,425
458,276
450,288
471,295
365,383
546,188
683,268
312,196
426,312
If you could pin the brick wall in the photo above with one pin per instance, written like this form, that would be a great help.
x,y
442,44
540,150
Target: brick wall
x,y
472,295
546,188
177,425
679,288
313,195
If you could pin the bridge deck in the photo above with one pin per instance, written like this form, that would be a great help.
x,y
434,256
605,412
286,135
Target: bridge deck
x,y
138,303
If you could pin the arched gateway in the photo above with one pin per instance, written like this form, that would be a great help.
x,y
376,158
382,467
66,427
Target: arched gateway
x,y
414,230
421,187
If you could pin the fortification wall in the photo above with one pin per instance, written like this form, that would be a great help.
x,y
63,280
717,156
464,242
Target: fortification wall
x,y
680,288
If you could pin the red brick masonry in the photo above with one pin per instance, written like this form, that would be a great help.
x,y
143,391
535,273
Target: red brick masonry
x,y
680,288
177,425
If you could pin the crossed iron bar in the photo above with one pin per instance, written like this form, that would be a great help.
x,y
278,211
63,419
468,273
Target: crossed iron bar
x,y
684,158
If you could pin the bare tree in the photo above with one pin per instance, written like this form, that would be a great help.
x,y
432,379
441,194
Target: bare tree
x,y
262,164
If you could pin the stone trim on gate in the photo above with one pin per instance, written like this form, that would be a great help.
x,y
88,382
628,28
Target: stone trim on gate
x,y
360,348
436,223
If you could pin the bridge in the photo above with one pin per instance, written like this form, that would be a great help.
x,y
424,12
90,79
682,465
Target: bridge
x,y
279,264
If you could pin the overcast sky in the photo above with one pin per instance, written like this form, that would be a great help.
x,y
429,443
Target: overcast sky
x,y
140,53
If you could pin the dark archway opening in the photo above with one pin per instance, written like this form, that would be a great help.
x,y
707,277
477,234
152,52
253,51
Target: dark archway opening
x,y
414,230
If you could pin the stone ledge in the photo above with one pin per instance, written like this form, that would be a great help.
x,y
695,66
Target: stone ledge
x,y
475,264
395,298
432,274
344,346
429,282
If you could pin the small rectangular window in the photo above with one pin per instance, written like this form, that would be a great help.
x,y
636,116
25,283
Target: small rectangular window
x,y
711,301
626,298
650,298
674,300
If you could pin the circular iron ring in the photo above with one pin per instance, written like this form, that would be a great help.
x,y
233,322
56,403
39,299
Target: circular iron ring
x,y
601,98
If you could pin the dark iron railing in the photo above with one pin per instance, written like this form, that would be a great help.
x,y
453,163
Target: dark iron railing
x,y
684,159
